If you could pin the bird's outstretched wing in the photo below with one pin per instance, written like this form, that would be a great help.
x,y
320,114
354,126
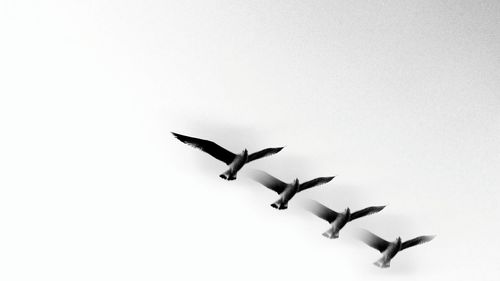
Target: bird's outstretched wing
x,y
373,240
416,241
268,181
314,182
366,212
321,210
209,147
263,153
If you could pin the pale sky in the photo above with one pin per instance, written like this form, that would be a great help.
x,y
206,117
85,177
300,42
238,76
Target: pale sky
x,y
399,99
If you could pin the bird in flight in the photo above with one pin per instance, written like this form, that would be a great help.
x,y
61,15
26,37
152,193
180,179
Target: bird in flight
x,y
286,190
390,249
338,220
234,161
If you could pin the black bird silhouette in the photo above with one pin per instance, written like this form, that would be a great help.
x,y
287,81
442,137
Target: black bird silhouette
x,y
234,161
390,249
286,191
338,220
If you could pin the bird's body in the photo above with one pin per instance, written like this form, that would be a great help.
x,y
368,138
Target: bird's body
x,y
340,221
286,191
235,166
337,220
234,161
287,194
390,249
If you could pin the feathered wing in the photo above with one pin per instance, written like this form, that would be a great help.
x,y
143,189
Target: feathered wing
x,y
416,241
268,181
366,212
314,182
263,153
373,240
209,147
321,210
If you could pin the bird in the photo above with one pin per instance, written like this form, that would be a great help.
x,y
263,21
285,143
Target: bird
x,y
234,161
286,190
338,220
390,249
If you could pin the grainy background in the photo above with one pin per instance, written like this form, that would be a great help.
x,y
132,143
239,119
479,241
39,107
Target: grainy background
x,y
399,99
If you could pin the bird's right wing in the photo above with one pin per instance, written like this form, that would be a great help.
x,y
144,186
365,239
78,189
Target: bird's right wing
x,y
416,241
373,240
209,147
321,210
268,181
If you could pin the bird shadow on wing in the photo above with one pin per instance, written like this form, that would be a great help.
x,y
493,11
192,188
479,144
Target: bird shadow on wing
x,y
280,167
338,197
232,137
290,165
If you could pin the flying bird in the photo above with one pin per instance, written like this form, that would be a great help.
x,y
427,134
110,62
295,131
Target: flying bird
x,y
234,161
286,190
390,249
338,220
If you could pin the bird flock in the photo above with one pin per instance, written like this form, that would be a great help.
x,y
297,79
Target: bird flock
x,y
286,191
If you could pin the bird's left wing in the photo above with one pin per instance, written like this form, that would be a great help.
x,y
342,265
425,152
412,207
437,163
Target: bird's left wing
x,y
416,241
263,153
366,212
314,182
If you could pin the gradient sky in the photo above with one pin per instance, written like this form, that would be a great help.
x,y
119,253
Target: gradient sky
x,y
399,99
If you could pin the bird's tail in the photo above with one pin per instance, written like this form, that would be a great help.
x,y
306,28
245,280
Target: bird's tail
x,y
330,233
227,175
382,263
279,204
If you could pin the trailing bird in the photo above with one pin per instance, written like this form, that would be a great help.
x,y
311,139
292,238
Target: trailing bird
x,y
338,220
234,161
286,190
390,249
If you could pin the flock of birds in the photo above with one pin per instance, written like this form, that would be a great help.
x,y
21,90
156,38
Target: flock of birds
x,y
286,191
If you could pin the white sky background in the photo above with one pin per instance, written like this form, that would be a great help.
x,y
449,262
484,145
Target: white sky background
x,y
399,99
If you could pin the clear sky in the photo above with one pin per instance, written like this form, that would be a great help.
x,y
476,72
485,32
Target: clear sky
x,y
399,99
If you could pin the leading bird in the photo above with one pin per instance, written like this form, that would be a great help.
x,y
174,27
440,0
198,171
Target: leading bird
x,y
234,161
390,249
286,190
338,220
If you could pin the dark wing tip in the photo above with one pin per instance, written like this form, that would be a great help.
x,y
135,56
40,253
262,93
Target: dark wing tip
x,y
425,238
178,136
430,237
184,139
328,179
275,150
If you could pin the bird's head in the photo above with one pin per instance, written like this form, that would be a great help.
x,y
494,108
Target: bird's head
x,y
296,182
348,212
398,242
